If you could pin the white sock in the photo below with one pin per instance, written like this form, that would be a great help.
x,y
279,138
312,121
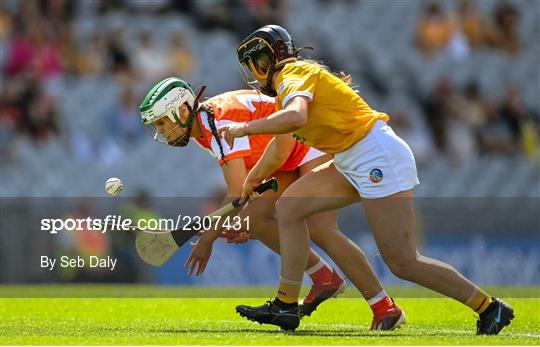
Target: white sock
x,y
377,298
291,282
317,267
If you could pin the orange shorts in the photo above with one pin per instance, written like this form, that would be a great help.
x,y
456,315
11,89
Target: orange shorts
x,y
300,155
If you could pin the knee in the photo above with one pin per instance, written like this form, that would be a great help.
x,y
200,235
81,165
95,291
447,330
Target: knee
x,y
402,266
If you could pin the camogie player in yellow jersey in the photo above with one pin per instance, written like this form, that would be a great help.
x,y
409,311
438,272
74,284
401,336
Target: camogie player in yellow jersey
x,y
371,164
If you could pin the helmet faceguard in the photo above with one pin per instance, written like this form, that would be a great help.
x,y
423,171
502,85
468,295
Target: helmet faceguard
x,y
261,53
165,100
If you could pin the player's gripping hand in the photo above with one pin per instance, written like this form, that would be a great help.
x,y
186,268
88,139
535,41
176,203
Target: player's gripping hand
x,y
250,183
236,237
200,254
232,131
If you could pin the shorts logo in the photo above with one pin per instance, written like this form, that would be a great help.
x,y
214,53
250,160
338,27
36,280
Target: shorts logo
x,y
375,176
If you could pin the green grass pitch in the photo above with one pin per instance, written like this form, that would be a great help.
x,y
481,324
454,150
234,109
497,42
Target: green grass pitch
x,y
151,315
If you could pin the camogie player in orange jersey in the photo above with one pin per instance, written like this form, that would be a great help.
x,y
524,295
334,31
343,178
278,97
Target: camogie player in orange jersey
x,y
173,114
371,164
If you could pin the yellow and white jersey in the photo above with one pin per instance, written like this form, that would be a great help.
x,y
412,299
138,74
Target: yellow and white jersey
x,y
337,116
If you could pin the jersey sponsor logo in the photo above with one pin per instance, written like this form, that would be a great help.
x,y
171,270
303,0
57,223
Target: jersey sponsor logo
x,y
299,139
375,175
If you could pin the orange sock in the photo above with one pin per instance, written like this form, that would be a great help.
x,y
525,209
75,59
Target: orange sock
x,y
288,291
479,300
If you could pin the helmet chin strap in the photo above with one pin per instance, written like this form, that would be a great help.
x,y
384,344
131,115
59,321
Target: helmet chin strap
x,y
183,140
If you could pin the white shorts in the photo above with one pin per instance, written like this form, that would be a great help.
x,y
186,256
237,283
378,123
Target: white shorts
x,y
379,165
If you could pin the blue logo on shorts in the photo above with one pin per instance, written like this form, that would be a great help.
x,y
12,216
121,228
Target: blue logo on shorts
x,y
375,176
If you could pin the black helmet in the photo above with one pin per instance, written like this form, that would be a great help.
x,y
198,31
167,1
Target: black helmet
x,y
261,52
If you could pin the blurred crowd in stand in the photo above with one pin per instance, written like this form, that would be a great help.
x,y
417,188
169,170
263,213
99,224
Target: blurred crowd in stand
x,y
40,49
468,28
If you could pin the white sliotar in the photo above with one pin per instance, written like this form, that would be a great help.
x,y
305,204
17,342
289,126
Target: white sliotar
x,y
113,186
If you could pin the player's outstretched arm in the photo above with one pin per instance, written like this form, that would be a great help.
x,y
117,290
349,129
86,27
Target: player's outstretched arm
x,y
293,117
234,172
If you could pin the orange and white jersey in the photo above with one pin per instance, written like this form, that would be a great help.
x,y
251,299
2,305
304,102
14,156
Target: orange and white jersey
x,y
243,106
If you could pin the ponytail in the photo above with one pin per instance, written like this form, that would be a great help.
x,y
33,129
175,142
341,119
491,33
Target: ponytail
x,y
212,122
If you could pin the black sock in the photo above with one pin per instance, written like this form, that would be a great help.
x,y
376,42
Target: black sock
x,y
284,305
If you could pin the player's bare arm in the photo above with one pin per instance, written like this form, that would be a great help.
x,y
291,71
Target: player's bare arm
x,y
275,154
234,172
292,117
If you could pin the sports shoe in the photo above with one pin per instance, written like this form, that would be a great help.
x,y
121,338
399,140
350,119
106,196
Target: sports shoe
x,y
389,320
321,292
271,313
498,315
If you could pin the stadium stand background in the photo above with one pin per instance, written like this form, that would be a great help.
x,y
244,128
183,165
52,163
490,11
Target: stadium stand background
x,y
460,80
73,74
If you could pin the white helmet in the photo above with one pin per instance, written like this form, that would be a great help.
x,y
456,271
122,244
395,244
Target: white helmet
x,y
164,100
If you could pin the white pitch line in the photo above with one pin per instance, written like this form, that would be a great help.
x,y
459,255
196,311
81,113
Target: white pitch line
x,y
461,331
407,327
